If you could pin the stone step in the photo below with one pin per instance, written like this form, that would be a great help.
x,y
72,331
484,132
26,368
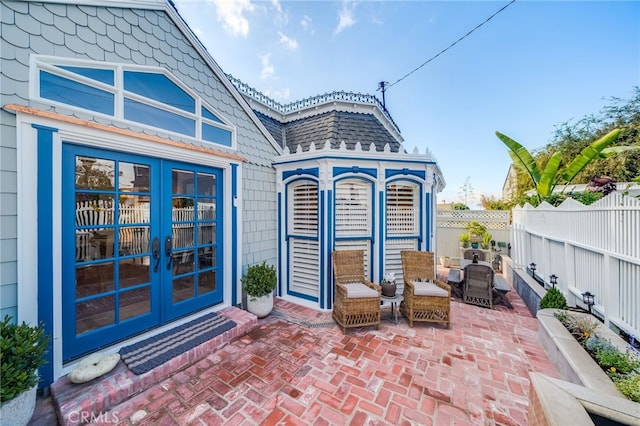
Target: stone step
x,y
83,403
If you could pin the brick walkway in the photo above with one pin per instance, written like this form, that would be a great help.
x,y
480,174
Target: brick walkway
x,y
303,372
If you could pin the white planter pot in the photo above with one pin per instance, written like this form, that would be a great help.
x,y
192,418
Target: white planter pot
x,y
260,306
445,261
19,410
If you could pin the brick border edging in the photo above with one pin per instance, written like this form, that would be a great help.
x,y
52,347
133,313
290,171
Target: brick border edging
x,y
71,400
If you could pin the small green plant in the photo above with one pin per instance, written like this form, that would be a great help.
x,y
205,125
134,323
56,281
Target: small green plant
x,y
465,239
486,240
621,362
553,299
580,326
22,350
629,386
260,280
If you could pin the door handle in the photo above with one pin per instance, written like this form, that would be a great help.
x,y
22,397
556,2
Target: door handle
x,y
168,246
155,252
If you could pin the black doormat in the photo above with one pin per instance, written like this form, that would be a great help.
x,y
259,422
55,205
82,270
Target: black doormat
x,y
147,354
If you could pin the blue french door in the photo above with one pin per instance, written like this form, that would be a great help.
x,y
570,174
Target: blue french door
x,y
140,245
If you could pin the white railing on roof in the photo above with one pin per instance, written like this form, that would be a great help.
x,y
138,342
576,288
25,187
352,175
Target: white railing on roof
x,y
360,98
593,248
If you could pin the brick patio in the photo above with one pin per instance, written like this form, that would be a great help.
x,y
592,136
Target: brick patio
x,y
294,368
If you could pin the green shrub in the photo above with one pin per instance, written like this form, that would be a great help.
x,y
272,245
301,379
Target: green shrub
x,y
621,362
629,385
259,280
553,299
22,350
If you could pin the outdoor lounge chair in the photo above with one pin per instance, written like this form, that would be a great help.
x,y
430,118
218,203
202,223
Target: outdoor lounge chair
x,y
478,285
425,298
468,254
356,300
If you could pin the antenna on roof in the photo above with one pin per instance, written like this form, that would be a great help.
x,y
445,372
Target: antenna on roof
x,y
383,87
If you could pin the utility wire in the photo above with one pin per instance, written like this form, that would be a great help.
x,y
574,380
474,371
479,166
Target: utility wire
x,y
451,45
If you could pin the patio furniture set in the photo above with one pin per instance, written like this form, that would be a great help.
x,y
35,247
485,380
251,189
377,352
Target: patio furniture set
x,y
357,300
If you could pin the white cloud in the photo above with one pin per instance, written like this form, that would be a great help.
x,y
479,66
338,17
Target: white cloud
x,y
232,15
290,43
282,96
267,67
307,24
345,17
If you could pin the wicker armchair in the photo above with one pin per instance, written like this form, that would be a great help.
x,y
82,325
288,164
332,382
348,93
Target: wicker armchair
x,y
478,285
468,254
425,298
356,300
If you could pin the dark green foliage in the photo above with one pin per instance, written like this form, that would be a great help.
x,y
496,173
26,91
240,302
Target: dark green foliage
x,y
553,299
573,136
460,206
22,350
259,280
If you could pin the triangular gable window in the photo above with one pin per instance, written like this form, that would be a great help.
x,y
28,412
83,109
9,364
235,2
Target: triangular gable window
x,y
144,95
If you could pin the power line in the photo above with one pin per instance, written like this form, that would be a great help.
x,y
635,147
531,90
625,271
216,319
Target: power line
x,y
451,45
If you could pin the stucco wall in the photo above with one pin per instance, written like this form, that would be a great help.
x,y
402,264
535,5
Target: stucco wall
x,y
145,37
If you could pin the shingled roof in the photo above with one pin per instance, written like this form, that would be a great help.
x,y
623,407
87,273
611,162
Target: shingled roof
x,y
338,126
335,117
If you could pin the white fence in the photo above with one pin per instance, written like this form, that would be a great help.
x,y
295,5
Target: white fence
x,y
593,248
452,223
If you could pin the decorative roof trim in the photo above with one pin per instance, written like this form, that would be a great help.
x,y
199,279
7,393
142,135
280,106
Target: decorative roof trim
x,y
335,101
118,131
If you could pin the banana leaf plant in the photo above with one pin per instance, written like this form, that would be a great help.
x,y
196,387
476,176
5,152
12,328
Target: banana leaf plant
x,y
547,179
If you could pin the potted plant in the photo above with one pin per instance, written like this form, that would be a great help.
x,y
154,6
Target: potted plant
x,y
259,283
465,240
22,351
476,231
388,285
445,261
485,242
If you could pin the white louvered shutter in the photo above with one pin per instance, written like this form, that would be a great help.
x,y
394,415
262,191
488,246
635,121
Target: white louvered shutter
x,y
302,227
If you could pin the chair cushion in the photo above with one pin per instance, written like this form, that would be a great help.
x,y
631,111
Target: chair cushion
x,y
428,289
359,291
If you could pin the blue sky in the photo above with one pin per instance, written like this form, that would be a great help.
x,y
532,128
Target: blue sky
x,y
534,66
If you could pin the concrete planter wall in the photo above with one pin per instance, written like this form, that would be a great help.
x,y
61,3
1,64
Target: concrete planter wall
x,y
588,396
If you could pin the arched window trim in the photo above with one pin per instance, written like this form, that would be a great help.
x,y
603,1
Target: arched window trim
x,y
53,65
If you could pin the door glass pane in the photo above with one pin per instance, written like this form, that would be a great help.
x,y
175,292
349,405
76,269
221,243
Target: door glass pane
x,y
95,313
134,271
94,279
206,257
206,208
101,240
182,262
182,235
206,282
134,209
133,177
95,173
134,240
182,182
134,303
94,209
183,288
206,233
206,184
182,209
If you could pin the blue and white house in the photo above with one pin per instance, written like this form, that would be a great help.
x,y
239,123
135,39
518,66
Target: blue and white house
x,y
344,181
138,181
